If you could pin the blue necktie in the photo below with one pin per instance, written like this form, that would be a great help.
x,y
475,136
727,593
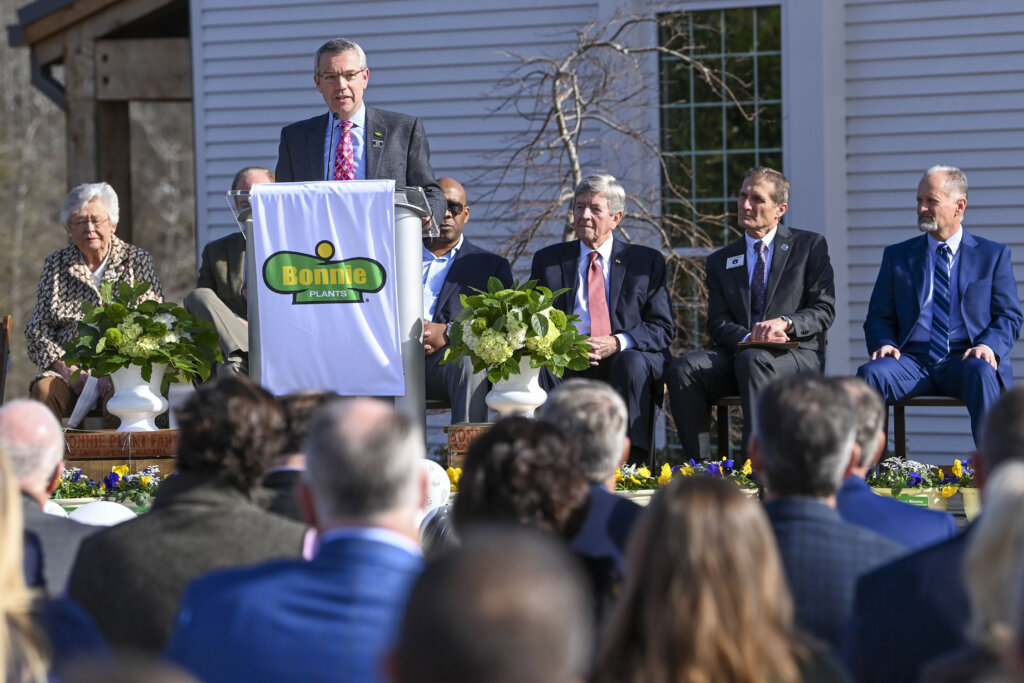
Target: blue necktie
x,y
757,285
939,346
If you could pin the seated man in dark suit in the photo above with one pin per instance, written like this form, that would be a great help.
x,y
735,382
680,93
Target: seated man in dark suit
x,y
908,525
351,141
593,416
618,290
220,293
334,617
944,314
803,445
33,440
452,265
772,285
916,609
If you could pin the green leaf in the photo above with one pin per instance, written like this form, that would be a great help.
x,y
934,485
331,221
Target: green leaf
x,y
494,285
539,324
579,364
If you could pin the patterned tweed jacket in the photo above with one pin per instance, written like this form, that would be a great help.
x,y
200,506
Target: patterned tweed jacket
x,y
65,283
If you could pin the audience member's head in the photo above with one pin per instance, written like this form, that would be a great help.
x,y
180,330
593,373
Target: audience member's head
x,y
34,442
230,429
437,533
871,414
992,562
1002,433
593,416
299,410
363,465
706,597
23,647
246,178
526,472
804,436
508,606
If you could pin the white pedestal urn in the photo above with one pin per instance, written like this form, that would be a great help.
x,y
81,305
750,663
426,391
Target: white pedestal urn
x,y
519,394
136,401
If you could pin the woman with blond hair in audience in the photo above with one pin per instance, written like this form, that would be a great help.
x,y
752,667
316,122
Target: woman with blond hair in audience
x,y
706,597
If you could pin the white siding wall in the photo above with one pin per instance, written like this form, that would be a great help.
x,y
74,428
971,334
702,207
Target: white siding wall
x,y
439,60
930,82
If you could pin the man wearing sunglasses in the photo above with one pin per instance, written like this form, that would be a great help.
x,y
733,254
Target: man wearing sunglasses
x,y
452,265
352,141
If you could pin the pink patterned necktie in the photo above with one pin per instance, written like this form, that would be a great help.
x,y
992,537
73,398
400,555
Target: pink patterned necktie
x,y
597,300
344,163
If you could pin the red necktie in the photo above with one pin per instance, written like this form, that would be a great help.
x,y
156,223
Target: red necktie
x,y
344,163
600,323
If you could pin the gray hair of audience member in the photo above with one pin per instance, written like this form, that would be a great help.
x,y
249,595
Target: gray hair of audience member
x,y
871,413
955,184
249,170
124,668
992,562
606,185
780,183
508,606
1002,430
362,458
230,429
593,416
34,442
805,426
437,533
81,195
299,410
337,46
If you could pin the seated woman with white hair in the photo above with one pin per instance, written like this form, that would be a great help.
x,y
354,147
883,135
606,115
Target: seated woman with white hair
x,y
72,275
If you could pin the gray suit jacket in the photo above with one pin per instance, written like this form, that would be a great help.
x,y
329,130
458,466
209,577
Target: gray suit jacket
x,y
800,285
59,538
223,270
130,577
396,149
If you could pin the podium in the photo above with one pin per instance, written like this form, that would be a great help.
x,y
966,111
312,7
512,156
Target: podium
x,y
327,275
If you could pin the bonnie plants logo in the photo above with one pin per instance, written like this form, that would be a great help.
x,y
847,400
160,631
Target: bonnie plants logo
x,y
316,279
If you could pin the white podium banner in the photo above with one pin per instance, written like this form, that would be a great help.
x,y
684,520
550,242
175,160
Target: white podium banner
x,y
327,299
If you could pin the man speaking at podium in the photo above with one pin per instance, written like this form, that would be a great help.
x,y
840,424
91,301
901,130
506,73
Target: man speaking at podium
x,y
352,141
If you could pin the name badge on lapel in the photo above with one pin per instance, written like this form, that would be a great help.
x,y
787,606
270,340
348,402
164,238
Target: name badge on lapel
x,y
734,262
376,143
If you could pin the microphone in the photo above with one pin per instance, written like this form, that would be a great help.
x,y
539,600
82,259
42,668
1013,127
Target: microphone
x,y
330,150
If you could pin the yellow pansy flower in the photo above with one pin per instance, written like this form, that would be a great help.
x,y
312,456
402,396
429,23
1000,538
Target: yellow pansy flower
x,y
454,474
643,472
747,469
618,475
948,491
666,475
942,475
147,480
958,469
686,471
120,470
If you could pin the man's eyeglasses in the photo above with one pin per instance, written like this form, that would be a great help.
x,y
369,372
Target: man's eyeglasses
x,y
82,223
456,209
331,77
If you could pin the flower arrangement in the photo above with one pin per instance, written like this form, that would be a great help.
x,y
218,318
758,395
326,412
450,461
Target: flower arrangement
x,y
120,485
633,478
122,331
897,474
961,476
498,327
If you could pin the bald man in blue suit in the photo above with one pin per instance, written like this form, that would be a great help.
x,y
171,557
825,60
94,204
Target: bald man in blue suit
x,y
961,346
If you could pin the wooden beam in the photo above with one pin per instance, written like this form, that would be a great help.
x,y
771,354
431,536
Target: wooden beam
x,y
144,69
79,69
91,18
60,19
114,163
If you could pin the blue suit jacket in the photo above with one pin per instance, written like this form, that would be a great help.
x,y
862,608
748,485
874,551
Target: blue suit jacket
x,y
470,269
906,524
403,157
606,527
823,557
638,302
331,619
988,296
907,613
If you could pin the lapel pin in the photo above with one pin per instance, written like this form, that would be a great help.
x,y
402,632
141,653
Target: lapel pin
x,y
784,247
378,134
376,143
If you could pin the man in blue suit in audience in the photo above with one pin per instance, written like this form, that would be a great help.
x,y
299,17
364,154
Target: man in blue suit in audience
x,y
593,416
944,314
335,617
618,290
908,525
452,265
916,609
